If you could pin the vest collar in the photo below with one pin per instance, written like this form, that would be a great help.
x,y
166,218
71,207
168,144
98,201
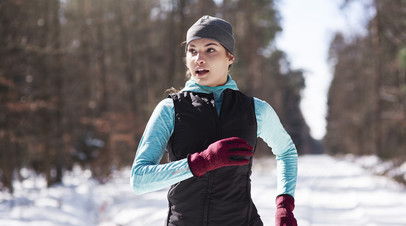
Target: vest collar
x,y
192,86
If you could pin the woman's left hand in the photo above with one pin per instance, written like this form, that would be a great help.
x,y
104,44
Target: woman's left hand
x,y
285,204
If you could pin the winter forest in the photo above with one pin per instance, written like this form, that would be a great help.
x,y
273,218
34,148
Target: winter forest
x,y
80,78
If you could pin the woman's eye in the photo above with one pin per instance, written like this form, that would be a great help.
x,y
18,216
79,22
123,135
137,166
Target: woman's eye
x,y
210,50
192,51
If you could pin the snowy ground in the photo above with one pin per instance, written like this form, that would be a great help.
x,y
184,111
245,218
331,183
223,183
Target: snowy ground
x,y
330,191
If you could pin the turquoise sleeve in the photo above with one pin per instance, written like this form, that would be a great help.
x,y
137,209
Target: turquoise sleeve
x,y
272,132
146,173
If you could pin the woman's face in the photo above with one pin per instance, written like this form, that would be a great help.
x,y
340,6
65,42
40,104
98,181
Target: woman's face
x,y
208,62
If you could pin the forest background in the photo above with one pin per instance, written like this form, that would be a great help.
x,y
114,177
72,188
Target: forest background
x,y
80,78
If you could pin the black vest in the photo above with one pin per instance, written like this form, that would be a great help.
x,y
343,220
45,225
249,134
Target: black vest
x,y
222,196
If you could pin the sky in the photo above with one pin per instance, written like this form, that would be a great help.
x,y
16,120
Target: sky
x,y
308,28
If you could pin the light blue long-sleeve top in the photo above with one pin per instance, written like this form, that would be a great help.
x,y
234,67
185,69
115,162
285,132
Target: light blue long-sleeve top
x,y
148,175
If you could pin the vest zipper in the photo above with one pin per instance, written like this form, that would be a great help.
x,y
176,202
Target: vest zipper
x,y
211,174
216,116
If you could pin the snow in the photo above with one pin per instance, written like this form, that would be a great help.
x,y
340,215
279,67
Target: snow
x,y
339,192
330,191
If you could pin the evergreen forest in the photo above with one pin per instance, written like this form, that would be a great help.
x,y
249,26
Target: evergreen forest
x,y
79,79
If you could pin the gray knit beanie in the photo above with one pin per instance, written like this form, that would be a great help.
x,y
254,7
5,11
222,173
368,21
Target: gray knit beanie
x,y
212,28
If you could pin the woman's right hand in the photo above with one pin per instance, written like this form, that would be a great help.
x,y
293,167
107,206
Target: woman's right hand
x,y
225,152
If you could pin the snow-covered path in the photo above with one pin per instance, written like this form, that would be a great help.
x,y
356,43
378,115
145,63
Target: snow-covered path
x,y
330,192
337,192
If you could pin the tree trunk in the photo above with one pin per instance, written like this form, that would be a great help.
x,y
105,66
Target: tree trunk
x,y
59,145
376,32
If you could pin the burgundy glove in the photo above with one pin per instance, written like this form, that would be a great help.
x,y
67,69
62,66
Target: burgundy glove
x,y
284,211
226,152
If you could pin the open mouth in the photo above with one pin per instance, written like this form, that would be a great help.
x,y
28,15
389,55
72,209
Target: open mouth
x,y
201,71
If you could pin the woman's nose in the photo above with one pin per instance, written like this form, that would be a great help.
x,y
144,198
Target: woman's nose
x,y
200,59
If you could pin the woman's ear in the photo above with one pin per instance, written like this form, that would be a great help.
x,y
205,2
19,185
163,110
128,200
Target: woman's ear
x,y
231,58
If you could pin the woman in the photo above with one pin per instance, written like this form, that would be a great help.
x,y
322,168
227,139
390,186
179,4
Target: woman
x,y
209,130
